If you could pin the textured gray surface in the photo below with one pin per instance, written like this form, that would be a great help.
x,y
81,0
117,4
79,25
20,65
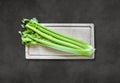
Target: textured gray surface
x,y
103,13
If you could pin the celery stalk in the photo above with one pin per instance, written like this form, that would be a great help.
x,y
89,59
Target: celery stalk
x,y
36,33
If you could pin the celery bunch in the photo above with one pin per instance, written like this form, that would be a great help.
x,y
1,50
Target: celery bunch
x,y
35,33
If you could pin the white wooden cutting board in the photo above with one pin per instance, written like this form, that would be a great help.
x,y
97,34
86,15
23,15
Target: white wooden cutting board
x,y
80,31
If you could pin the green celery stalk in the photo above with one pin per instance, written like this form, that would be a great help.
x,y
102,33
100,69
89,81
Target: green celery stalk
x,y
36,33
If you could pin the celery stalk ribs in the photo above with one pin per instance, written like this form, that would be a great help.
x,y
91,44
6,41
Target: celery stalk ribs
x,y
36,33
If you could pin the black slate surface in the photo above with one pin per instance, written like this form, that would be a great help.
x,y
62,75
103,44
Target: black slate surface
x,y
105,14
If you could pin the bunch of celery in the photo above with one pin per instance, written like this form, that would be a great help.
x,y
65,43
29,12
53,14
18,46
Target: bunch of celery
x,y
35,33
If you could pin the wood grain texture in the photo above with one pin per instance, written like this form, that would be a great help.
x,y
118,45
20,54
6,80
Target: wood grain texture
x,y
103,13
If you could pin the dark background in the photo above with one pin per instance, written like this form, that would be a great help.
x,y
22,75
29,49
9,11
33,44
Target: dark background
x,y
105,14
